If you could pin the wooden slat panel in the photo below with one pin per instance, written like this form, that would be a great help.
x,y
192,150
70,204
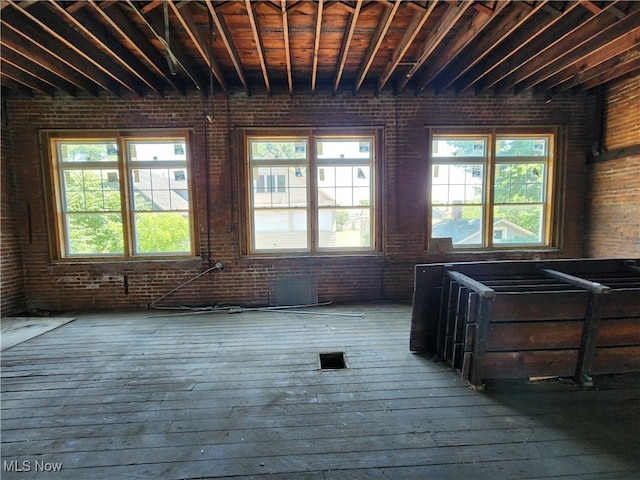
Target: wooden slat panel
x,y
569,305
530,364
622,303
616,360
625,331
534,335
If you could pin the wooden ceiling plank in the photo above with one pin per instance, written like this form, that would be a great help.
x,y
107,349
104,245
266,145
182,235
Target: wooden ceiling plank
x,y
120,23
346,44
609,74
74,7
26,78
175,54
591,58
189,24
592,7
295,6
316,46
527,65
620,62
16,60
93,29
457,46
287,46
63,33
594,39
222,28
259,48
519,14
33,53
529,36
378,37
59,51
417,21
453,14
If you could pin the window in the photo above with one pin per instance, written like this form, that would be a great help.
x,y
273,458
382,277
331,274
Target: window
x,y
491,189
311,192
119,195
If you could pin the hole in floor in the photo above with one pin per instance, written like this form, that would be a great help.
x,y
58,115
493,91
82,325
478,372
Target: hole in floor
x,y
333,361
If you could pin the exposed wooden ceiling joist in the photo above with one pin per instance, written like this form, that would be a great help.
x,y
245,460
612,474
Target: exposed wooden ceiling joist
x,y
491,47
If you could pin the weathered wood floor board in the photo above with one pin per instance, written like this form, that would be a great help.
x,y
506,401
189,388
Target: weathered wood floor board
x,y
142,396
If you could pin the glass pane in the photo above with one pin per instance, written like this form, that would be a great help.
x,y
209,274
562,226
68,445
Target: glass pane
x,y
94,234
459,147
519,183
521,147
345,186
279,187
91,190
280,229
463,224
457,184
344,228
166,151
160,189
339,149
517,224
162,232
278,149
87,151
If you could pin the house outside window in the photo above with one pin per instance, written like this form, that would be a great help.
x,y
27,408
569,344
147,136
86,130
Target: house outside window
x,y
120,196
311,193
491,188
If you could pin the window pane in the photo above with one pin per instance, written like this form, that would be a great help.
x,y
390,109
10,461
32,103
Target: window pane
x,y
160,189
452,147
519,183
344,228
521,147
94,234
87,152
162,232
280,229
457,184
167,151
517,224
279,186
343,149
278,149
91,190
463,224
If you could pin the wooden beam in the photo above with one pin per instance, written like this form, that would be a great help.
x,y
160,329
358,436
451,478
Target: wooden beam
x,y
258,40
189,24
608,74
375,43
529,42
316,46
34,53
465,38
29,68
287,47
448,21
150,6
93,30
592,7
605,41
35,32
26,78
221,25
417,21
535,63
119,22
509,23
346,44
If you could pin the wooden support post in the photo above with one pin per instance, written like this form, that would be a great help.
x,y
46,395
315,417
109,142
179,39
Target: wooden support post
x,y
588,341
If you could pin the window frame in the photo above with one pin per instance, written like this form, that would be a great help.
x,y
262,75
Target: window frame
x,y
551,209
59,244
311,136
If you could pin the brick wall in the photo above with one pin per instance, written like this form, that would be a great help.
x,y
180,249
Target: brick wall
x,y
248,280
14,208
614,186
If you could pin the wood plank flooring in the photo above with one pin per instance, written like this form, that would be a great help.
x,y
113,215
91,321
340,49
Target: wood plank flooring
x,y
219,395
